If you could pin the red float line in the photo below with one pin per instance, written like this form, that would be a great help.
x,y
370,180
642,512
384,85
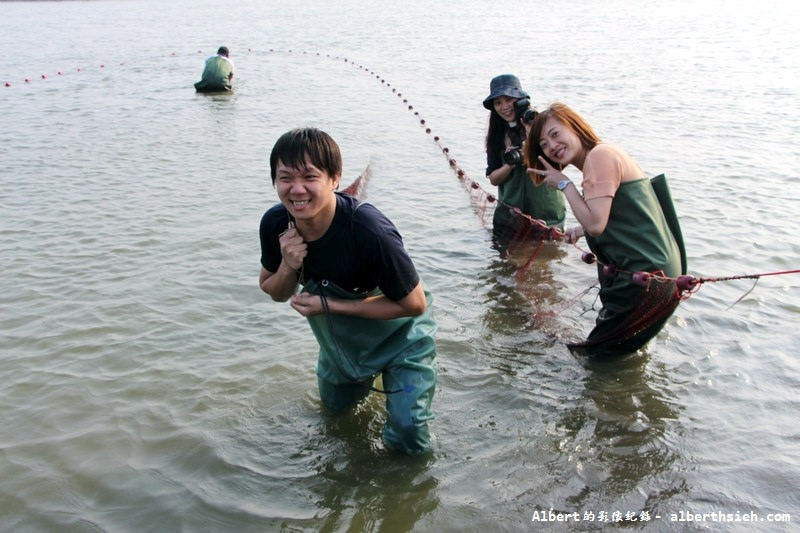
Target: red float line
x,y
103,65
685,284
553,233
60,73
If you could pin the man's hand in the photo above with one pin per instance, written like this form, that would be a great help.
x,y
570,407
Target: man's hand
x,y
293,248
307,304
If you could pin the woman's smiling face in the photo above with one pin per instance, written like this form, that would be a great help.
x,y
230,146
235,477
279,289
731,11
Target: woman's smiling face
x,y
559,143
504,106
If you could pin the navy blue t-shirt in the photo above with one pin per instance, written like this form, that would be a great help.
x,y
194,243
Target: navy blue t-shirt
x,y
361,250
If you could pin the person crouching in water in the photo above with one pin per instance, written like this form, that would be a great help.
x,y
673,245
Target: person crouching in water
x,y
217,74
629,222
361,294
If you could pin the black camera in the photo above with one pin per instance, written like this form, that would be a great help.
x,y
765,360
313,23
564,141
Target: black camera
x,y
524,111
513,157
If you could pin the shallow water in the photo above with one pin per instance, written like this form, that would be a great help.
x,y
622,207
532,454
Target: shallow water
x,y
148,384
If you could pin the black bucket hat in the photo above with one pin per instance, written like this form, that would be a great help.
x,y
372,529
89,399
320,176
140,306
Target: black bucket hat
x,y
504,85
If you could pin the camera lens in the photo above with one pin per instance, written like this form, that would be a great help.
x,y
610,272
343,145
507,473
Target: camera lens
x,y
522,108
513,157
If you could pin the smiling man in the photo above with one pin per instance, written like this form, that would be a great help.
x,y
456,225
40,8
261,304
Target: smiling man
x,y
361,294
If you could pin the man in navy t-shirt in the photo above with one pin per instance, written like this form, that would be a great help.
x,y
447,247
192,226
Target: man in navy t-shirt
x,y
361,293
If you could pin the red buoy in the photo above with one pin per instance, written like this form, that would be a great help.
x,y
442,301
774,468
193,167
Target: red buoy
x,y
588,258
641,278
686,282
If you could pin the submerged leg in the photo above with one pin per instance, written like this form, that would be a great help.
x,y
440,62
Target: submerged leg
x,y
409,409
338,397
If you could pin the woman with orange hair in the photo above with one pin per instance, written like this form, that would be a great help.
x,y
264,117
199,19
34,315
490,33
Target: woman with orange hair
x,y
629,223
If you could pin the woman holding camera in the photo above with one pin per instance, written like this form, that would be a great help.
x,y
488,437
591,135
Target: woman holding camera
x,y
505,166
629,223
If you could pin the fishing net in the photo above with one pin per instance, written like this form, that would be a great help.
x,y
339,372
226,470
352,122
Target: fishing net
x,y
625,329
358,188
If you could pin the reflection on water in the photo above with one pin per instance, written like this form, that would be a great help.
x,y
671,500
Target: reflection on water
x,y
616,440
606,439
524,292
372,490
346,478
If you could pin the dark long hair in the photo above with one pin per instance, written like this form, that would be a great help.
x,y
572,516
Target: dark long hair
x,y
495,135
570,119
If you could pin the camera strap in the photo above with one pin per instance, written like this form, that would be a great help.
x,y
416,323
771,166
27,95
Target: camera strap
x,y
515,137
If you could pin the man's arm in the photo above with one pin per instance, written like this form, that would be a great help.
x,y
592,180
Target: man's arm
x,y
281,284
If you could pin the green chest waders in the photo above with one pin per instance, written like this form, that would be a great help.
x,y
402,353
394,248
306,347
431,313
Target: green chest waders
x,y
643,234
541,203
354,350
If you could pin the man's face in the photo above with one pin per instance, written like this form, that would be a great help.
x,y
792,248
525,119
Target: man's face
x,y
306,192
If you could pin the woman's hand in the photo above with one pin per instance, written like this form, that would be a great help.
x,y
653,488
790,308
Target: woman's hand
x,y
527,125
550,174
571,235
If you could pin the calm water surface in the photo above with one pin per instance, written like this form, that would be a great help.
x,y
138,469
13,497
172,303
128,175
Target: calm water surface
x,y
148,385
